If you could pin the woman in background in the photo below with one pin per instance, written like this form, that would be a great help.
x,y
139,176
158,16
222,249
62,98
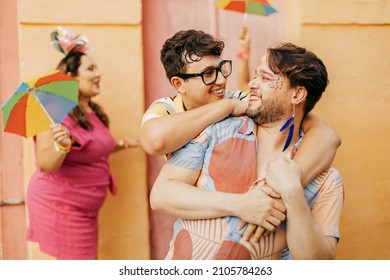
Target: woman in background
x,y
70,183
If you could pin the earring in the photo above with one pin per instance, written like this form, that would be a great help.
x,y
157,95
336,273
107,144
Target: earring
x,y
289,123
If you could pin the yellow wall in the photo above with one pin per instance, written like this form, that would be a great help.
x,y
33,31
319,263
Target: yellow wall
x,y
353,38
115,33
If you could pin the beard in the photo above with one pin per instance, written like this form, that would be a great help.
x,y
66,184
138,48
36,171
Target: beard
x,y
270,111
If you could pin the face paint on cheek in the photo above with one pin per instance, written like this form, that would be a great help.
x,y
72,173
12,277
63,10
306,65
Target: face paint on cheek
x,y
277,83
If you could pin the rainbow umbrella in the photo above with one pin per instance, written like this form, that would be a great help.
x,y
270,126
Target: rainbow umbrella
x,y
254,7
40,102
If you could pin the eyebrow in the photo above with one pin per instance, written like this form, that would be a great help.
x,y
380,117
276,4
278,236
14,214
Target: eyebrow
x,y
209,67
268,73
264,72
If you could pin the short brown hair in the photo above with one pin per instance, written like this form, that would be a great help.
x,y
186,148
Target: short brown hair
x,y
186,47
303,68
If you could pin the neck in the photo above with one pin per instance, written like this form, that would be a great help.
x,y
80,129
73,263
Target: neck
x,y
84,103
272,139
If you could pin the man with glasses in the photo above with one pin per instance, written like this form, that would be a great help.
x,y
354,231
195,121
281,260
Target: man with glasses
x,y
193,65
226,159
210,74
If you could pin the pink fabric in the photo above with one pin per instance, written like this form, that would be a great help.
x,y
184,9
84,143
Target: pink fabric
x,y
63,205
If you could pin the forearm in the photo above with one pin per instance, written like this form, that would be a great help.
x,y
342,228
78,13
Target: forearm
x,y
180,198
304,237
48,159
164,135
243,74
318,148
188,202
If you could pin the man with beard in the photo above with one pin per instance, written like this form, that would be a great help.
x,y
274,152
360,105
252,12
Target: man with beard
x,y
194,65
230,159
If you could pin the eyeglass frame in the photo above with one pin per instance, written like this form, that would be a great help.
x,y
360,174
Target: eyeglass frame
x,y
218,69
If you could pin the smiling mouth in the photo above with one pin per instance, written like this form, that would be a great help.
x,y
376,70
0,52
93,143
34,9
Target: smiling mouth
x,y
219,92
254,98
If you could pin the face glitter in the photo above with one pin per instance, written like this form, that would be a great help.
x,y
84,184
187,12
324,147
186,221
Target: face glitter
x,y
277,83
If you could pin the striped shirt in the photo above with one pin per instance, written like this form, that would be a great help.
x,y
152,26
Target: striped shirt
x,y
226,155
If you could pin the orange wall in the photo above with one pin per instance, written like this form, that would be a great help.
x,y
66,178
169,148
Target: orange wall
x,y
353,38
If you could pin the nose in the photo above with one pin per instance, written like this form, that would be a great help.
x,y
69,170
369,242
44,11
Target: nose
x,y
252,84
220,78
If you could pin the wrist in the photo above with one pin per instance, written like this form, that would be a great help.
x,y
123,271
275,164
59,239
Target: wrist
x,y
224,107
292,194
230,204
243,55
62,149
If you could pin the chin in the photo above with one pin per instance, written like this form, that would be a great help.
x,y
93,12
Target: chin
x,y
218,97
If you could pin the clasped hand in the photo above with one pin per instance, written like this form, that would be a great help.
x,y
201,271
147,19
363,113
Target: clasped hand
x,y
266,212
283,175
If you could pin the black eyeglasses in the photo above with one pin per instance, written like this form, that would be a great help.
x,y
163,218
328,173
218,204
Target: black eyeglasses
x,y
210,75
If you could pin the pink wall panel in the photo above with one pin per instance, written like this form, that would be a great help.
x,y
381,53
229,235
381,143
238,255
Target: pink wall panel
x,y
12,217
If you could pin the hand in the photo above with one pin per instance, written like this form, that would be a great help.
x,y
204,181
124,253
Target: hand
x,y
283,175
255,231
60,134
244,39
239,107
261,207
126,143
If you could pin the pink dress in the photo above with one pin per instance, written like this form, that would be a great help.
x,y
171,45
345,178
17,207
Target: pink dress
x,y
63,205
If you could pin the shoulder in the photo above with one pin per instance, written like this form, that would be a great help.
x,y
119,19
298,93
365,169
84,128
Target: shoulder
x,y
329,180
70,123
229,124
161,107
166,102
240,127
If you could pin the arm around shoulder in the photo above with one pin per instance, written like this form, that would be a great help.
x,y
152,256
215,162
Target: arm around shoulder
x,y
165,134
318,148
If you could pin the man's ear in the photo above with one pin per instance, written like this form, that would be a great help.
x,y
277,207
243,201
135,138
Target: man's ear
x,y
299,95
177,84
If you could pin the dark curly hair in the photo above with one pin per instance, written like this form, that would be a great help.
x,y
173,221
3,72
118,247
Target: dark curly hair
x,y
303,68
70,64
186,47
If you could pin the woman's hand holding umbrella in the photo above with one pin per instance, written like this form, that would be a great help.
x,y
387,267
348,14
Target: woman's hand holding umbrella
x,y
61,137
